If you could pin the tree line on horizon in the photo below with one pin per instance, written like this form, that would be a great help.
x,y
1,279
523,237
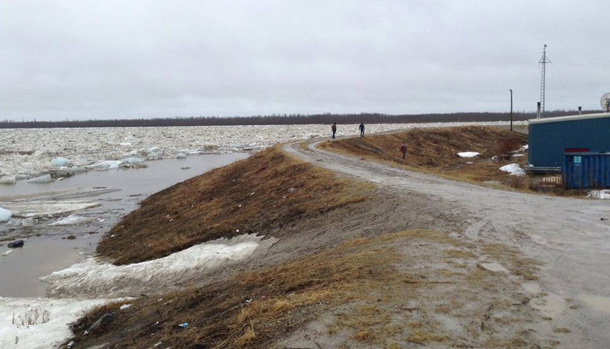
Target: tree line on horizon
x,y
287,119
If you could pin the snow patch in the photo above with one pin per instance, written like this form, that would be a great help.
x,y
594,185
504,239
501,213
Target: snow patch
x,y
513,170
95,276
599,194
50,334
468,154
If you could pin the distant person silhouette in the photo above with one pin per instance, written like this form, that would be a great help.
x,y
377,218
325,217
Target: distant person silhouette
x,y
334,128
361,129
403,150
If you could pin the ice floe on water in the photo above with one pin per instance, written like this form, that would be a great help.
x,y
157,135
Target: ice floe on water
x,y
73,220
93,276
34,153
5,215
46,209
37,323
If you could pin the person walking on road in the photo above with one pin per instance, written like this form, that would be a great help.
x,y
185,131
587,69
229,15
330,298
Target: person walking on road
x,y
334,128
361,129
403,150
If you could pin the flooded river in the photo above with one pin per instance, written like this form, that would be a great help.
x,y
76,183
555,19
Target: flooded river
x,y
53,247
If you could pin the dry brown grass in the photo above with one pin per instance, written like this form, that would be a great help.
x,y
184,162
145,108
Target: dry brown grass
x,y
364,287
434,150
253,308
268,190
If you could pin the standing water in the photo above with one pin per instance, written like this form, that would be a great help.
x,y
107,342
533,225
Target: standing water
x,y
51,247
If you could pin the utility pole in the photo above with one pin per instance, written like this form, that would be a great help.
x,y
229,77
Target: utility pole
x,y
511,110
543,61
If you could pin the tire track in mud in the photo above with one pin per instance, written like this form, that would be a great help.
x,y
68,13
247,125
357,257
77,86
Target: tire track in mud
x,y
567,235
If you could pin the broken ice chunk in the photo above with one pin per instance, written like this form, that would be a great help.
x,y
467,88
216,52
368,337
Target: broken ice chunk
x,y
5,215
41,179
59,162
73,220
133,160
8,180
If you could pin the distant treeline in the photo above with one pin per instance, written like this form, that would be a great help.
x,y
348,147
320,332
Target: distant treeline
x,y
286,119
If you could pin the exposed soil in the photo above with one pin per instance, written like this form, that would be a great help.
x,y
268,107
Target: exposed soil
x,y
423,260
260,194
436,151
567,235
407,289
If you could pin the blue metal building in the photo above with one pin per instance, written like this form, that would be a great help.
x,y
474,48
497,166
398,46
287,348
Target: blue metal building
x,y
551,139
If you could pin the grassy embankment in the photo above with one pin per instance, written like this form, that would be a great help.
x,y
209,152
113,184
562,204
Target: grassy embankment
x,y
386,290
264,192
434,150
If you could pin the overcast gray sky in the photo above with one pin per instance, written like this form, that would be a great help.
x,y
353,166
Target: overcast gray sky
x,y
144,58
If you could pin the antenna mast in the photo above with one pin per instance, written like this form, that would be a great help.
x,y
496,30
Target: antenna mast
x,y
543,61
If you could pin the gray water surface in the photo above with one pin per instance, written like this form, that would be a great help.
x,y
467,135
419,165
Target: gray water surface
x,y
48,248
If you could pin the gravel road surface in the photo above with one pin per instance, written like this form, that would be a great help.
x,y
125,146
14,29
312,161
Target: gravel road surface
x,y
569,236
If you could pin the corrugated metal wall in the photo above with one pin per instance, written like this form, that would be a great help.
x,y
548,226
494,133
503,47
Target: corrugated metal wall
x,y
548,140
586,170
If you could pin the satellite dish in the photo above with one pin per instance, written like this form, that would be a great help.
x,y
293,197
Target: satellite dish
x,y
606,102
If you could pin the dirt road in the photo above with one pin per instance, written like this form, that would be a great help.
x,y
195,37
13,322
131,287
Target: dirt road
x,y
570,237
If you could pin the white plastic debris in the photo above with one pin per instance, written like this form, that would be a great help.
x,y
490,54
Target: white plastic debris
x,y
467,154
124,306
5,215
513,169
41,179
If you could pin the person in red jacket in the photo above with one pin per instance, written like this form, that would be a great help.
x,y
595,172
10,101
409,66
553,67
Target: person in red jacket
x,y
403,150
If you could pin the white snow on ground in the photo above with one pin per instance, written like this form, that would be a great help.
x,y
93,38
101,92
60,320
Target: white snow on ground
x,y
31,151
92,276
599,194
73,220
513,169
468,154
5,215
61,312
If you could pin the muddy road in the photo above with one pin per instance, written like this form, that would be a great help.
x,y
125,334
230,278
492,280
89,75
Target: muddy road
x,y
570,237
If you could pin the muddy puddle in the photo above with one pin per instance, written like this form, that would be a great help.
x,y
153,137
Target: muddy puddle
x,y
52,242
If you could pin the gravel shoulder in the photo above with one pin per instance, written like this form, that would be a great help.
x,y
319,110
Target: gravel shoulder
x,y
568,236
